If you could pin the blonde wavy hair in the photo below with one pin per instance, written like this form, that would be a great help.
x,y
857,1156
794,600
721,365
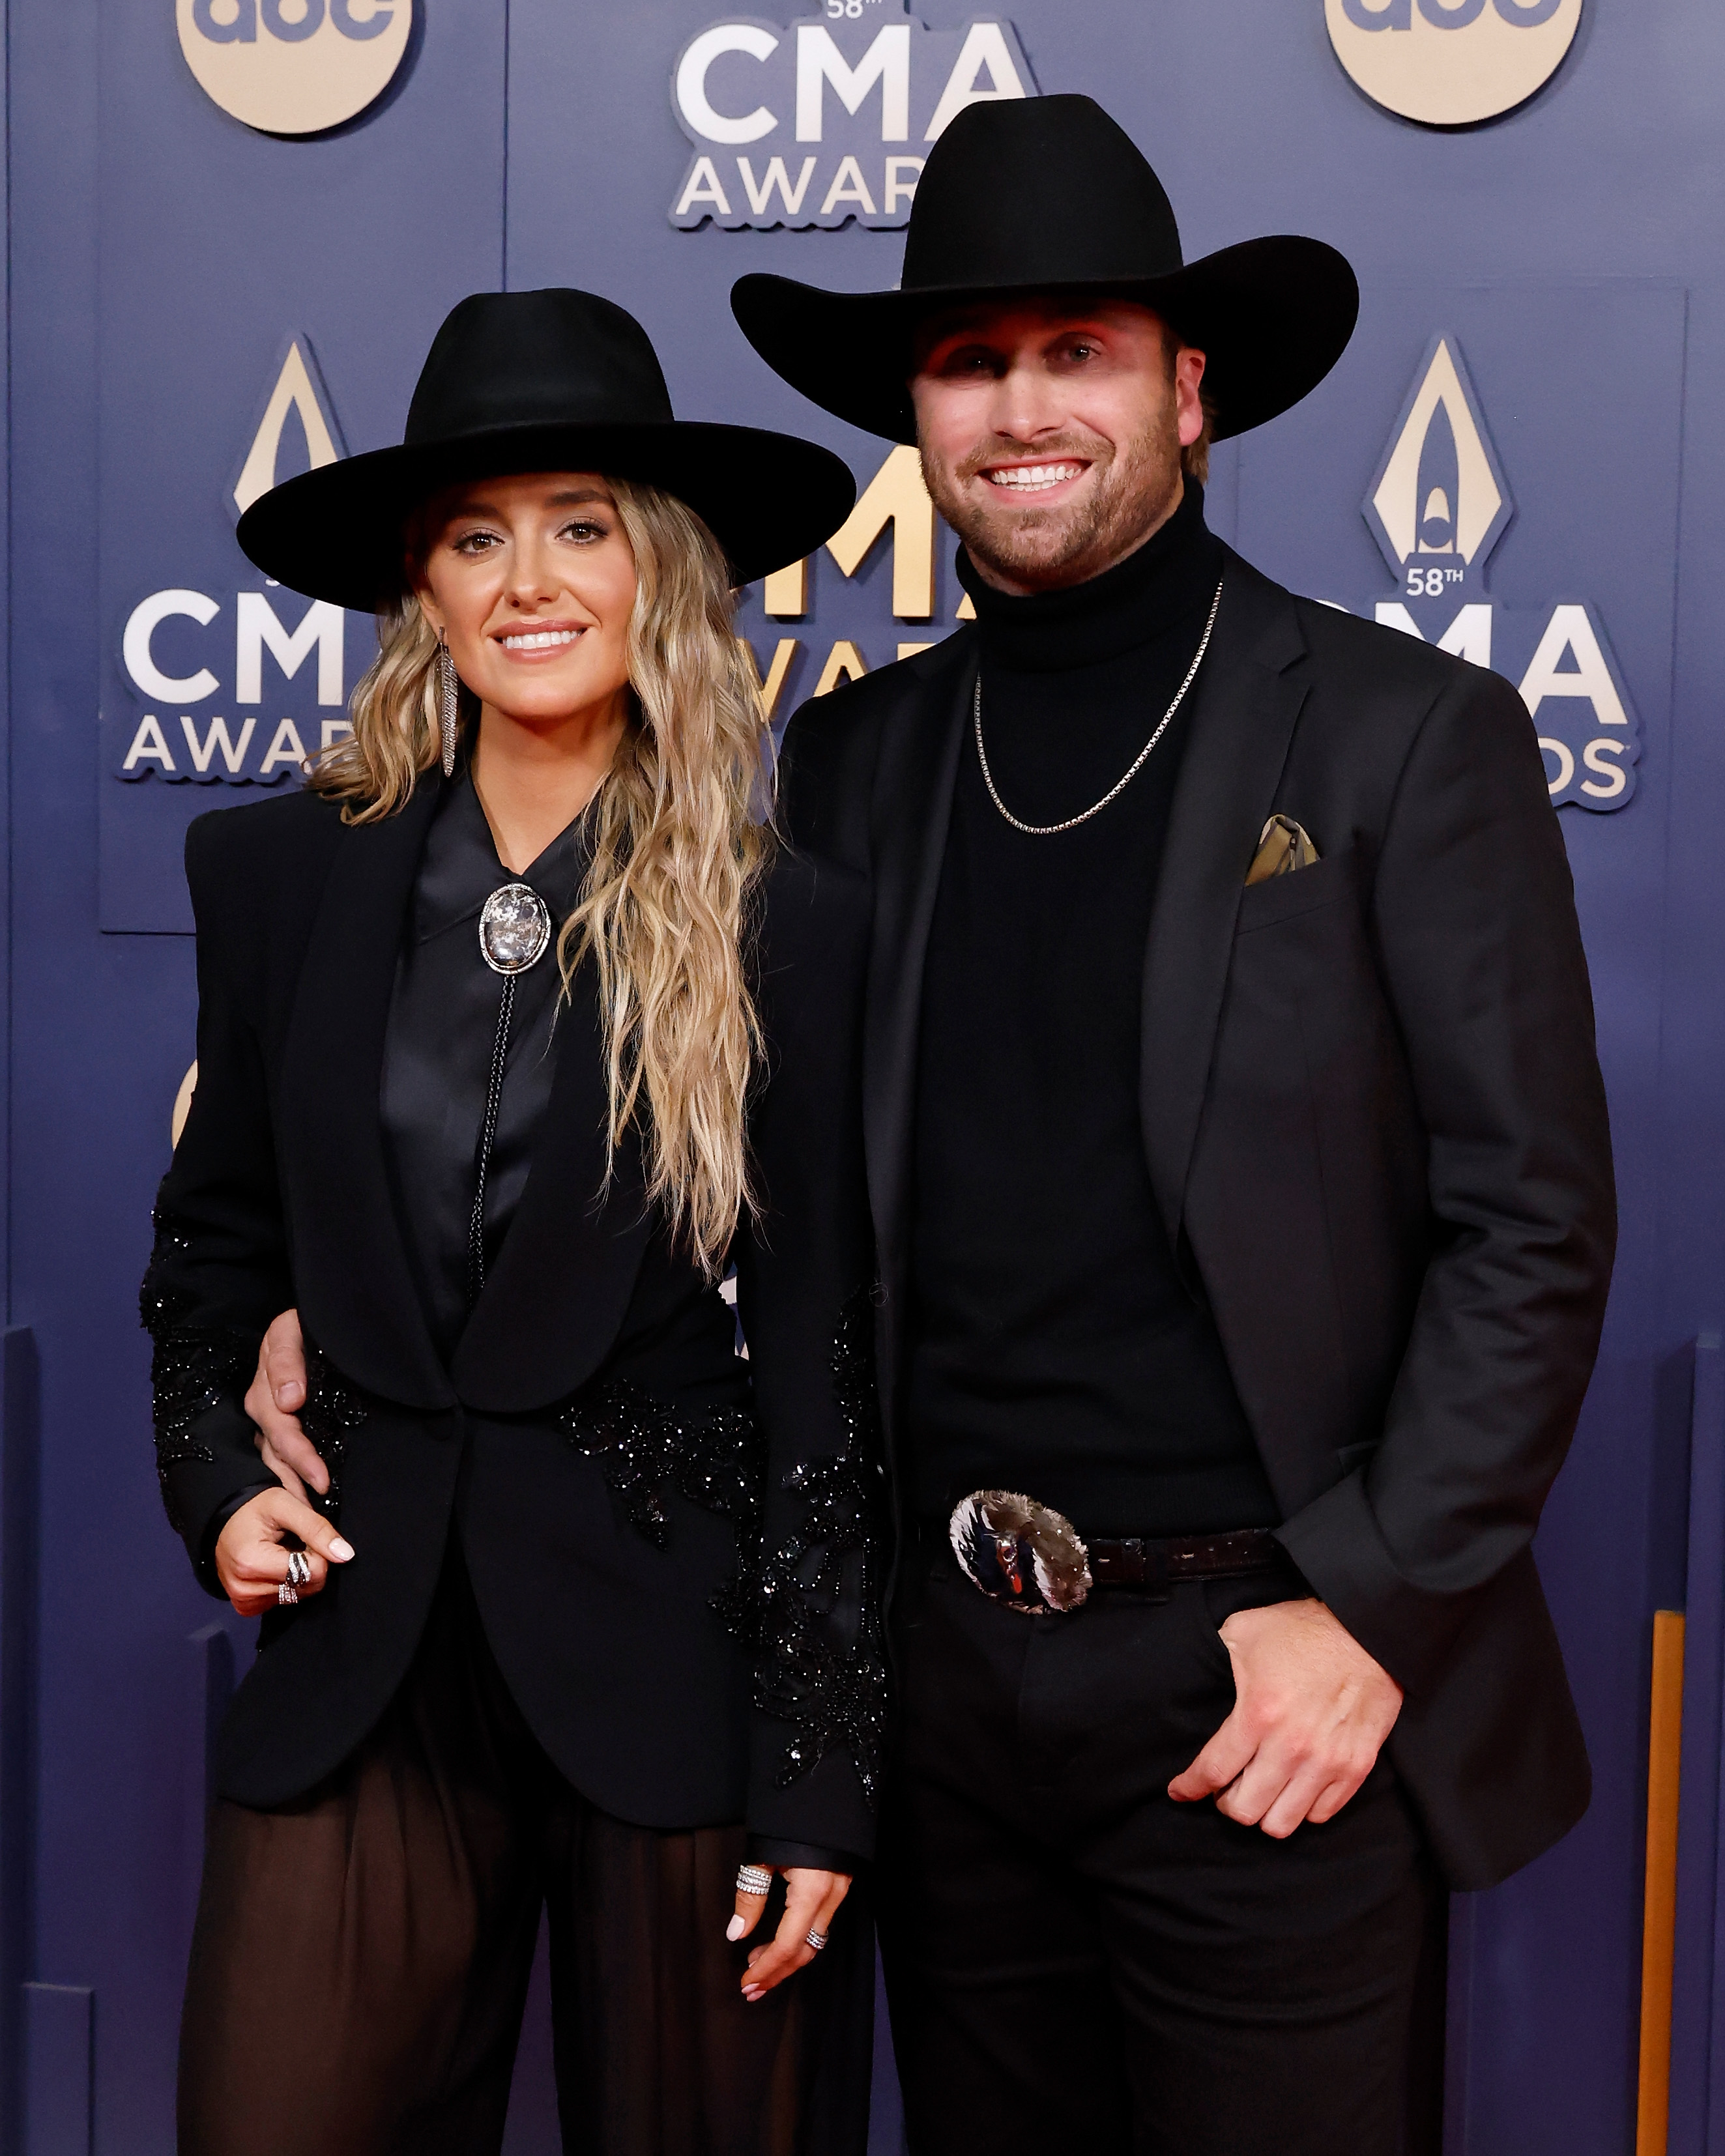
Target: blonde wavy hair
x,y
681,837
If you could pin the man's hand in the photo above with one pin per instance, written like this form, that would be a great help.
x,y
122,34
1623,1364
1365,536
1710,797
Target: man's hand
x,y
252,1551
277,1392
811,1901
1311,1711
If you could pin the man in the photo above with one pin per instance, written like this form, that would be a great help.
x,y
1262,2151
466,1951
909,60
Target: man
x,y
1243,1202
1229,1174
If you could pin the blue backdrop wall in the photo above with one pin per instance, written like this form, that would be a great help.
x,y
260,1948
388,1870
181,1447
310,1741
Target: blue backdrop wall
x,y
192,303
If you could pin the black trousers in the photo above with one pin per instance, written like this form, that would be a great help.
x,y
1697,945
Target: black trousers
x,y
1074,1961
360,1959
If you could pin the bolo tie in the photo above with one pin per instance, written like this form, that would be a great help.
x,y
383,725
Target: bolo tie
x,y
514,933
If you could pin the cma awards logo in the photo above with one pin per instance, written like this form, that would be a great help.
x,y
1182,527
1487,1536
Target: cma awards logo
x,y
294,67
1451,63
1438,507
173,641
831,119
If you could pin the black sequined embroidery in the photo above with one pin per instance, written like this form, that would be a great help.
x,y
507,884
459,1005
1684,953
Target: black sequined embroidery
x,y
811,1608
191,1367
822,1658
333,1408
648,1449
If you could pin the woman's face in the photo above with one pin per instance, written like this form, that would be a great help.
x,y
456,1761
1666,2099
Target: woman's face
x,y
532,581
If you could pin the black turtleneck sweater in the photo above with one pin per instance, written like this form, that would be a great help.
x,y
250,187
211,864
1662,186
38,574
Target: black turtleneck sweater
x,y
1055,1349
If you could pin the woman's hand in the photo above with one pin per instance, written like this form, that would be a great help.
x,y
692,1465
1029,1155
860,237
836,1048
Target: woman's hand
x,y
811,1901
276,1393
251,1550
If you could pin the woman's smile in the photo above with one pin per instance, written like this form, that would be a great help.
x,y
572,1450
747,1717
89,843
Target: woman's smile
x,y
549,637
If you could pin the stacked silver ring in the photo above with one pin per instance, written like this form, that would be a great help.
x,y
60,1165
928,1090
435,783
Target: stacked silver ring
x,y
753,1879
817,1940
299,1575
286,1594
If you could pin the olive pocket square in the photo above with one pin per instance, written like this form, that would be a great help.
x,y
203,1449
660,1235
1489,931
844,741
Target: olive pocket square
x,y
1282,847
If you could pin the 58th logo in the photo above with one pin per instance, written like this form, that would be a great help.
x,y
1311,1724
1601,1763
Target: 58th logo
x,y
1438,507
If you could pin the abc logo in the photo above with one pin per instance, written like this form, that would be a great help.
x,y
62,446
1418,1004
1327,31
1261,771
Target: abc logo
x,y
294,67
1450,63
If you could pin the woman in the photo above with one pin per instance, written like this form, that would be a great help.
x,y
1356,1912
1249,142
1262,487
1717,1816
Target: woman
x,y
508,1042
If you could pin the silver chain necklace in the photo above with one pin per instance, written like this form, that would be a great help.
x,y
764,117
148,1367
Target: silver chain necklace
x,y
1048,830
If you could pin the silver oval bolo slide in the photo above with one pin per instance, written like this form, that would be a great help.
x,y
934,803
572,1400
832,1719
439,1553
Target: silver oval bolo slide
x,y
514,928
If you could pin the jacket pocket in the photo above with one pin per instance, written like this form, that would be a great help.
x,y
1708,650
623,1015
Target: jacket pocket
x,y
1302,891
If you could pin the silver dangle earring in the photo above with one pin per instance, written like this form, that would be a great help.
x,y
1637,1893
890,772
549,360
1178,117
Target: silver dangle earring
x,y
447,686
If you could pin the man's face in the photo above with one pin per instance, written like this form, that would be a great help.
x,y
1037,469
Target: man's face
x,y
1051,435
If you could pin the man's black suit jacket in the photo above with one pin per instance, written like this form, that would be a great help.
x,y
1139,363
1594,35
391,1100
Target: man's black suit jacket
x,y
1375,1127
278,1195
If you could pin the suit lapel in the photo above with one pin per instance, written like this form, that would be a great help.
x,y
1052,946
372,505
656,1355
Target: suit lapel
x,y
1248,698
356,1293
912,810
553,1301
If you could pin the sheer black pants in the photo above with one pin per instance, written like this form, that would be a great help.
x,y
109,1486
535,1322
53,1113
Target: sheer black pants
x,y
1074,1961
361,1960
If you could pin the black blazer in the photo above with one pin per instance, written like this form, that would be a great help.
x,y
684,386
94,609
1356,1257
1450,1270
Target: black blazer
x,y
1374,1124
278,1196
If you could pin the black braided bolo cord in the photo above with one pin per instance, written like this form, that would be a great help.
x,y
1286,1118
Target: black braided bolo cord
x,y
488,1132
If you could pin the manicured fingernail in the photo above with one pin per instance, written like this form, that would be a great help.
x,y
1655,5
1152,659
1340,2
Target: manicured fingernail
x,y
754,1993
340,1551
735,1929
290,1394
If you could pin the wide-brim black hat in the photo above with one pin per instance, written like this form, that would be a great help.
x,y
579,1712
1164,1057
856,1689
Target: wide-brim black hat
x,y
553,380
1048,195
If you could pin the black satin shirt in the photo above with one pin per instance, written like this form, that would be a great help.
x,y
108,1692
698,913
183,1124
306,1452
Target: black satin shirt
x,y
437,1058
677,1338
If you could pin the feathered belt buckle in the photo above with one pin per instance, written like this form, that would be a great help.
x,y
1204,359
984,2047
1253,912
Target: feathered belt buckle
x,y
1020,1553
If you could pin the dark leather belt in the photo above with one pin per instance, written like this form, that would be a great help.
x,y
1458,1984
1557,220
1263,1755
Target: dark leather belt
x,y
1033,1559
1151,1567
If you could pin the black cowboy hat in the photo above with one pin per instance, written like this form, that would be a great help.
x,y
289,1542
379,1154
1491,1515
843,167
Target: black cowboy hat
x,y
554,381
1049,195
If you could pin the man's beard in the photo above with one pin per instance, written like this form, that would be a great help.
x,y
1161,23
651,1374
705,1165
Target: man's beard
x,y
1132,485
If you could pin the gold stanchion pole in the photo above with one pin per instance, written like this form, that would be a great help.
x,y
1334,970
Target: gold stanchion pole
x,y
1665,1744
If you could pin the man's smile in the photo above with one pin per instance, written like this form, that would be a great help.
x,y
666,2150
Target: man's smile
x,y
1034,478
